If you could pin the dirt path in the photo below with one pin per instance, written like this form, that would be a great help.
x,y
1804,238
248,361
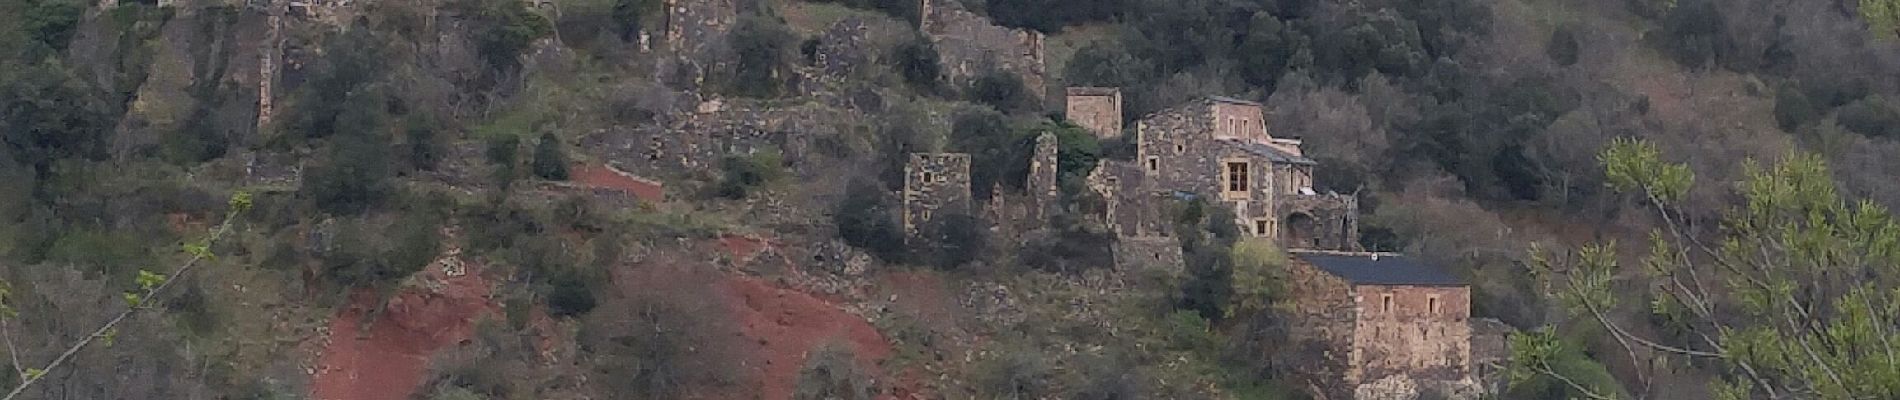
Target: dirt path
x,y
602,176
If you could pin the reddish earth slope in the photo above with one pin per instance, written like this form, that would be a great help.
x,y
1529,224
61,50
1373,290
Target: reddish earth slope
x,y
602,176
389,359
787,324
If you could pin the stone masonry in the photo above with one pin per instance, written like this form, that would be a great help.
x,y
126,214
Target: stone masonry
x,y
935,185
1043,190
1219,148
1362,320
1097,109
970,44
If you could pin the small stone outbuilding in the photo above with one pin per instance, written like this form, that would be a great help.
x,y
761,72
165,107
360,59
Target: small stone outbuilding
x,y
1363,320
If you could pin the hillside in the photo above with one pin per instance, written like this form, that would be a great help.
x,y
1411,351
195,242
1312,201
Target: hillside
x,y
899,199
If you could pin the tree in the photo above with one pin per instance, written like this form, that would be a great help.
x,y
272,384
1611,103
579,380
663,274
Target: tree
x,y
864,220
1793,300
951,241
918,62
1883,16
1562,47
762,47
550,162
1000,90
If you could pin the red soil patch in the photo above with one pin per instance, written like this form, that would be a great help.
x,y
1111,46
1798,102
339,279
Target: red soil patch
x,y
744,247
604,176
785,325
388,360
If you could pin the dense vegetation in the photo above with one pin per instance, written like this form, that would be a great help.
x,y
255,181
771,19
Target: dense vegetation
x,y
1468,128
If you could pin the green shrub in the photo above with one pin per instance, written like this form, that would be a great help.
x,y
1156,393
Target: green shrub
x,y
865,219
762,48
550,162
570,295
1872,116
1001,90
744,174
918,62
951,241
1562,47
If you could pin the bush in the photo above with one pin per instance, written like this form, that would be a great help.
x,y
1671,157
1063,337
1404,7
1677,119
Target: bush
x,y
864,219
744,174
1070,245
503,29
570,295
831,373
1017,372
550,162
1562,47
353,179
504,153
1793,109
951,241
1872,116
903,10
918,62
762,49
1000,90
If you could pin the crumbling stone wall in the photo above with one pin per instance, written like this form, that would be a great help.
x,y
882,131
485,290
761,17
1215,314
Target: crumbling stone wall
x,y
1042,178
1490,352
1134,207
1421,332
1321,221
969,44
935,185
844,48
693,25
1320,328
1097,109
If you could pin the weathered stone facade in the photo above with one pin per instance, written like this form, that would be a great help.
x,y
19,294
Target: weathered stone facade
x,y
1147,253
1219,148
935,185
970,44
1097,109
1378,325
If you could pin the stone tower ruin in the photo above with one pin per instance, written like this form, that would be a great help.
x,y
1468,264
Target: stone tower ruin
x,y
935,185
1097,109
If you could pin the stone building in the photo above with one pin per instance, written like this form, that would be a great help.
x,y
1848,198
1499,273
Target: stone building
x,y
1378,326
970,44
1097,109
935,185
1219,148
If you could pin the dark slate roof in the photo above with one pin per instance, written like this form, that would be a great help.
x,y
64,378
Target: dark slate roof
x,y
1271,153
1225,99
1379,269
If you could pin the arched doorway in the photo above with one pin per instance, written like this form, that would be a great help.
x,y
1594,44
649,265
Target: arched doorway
x,y
1299,231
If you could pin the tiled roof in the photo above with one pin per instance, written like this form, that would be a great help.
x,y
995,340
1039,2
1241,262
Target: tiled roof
x,y
1271,153
1378,269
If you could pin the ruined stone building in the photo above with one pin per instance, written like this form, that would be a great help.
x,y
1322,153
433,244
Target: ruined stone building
x,y
970,44
1378,326
1097,109
1218,149
935,185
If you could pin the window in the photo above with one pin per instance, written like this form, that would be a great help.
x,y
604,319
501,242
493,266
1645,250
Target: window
x,y
1236,176
1431,305
1154,164
1178,148
1261,227
1388,303
927,177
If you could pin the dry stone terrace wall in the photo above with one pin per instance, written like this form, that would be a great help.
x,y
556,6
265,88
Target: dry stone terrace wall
x,y
970,44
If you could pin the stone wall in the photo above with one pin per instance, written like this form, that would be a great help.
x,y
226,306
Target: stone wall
x,y
1320,330
1097,109
1133,207
1043,193
970,44
1321,222
1148,253
1421,332
935,184
694,25
1178,151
